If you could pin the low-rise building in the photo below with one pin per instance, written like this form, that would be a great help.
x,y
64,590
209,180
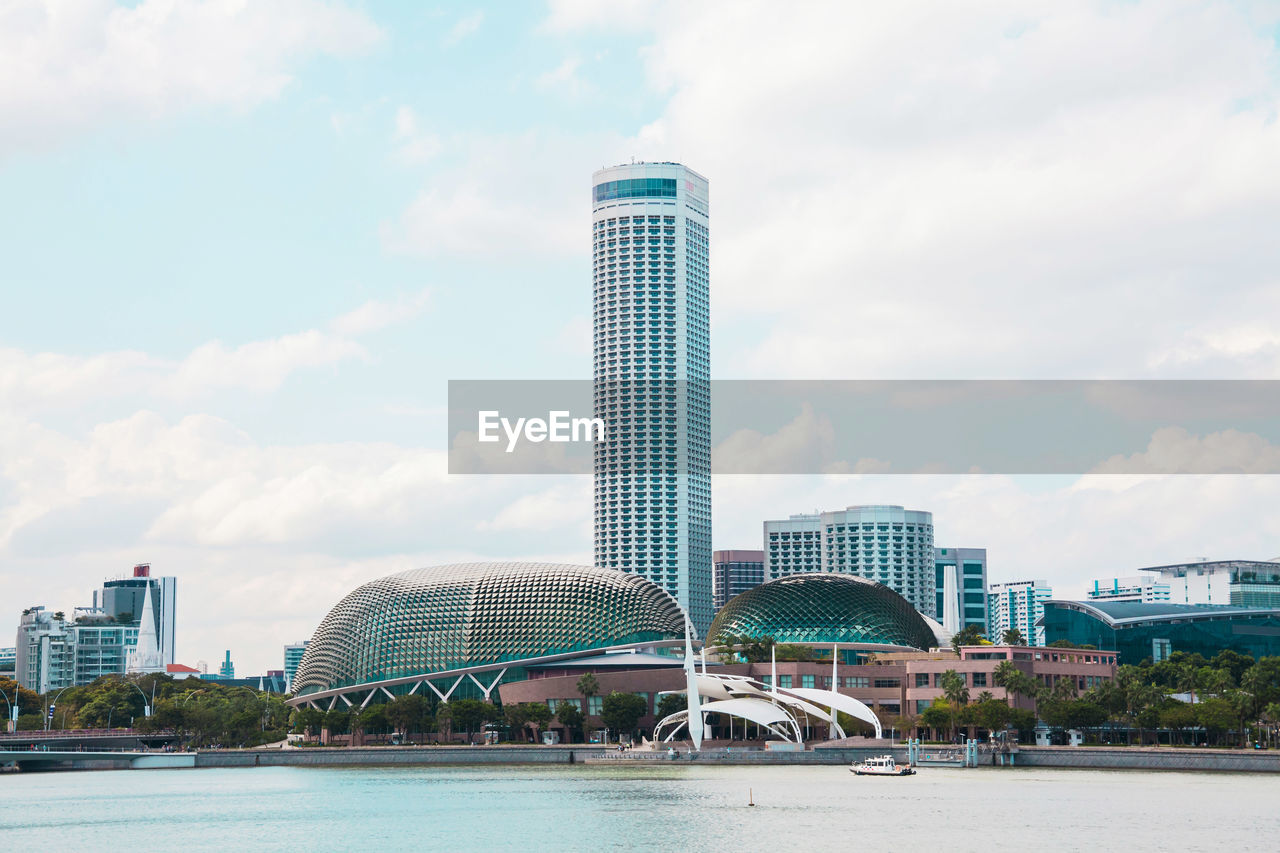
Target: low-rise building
x,y
1242,583
1136,588
1137,631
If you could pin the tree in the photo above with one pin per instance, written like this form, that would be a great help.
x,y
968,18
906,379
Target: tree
x,y
337,721
620,712
537,714
1178,716
373,719
570,716
1023,721
671,703
969,635
991,714
956,692
1014,681
588,686
1233,663
1013,637
1216,715
407,713
470,714
938,715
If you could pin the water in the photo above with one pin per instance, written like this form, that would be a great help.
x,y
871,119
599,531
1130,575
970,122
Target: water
x,y
637,808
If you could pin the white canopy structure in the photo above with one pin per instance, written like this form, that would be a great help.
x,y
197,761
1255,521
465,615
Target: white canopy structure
x,y
783,711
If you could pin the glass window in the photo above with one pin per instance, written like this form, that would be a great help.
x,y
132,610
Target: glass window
x,y
595,705
784,681
807,681
922,679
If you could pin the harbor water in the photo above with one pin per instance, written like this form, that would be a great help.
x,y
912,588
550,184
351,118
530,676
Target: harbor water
x,y
653,808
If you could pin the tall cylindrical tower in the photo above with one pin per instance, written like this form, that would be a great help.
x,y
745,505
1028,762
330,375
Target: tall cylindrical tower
x,y
651,340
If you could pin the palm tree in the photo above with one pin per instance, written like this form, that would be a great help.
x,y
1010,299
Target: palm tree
x,y
1013,637
957,694
588,687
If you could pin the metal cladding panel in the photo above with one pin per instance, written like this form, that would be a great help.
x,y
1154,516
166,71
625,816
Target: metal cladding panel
x,y
448,617
824,608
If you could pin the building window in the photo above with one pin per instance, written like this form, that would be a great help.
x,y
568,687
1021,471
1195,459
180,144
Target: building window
x,y
1160,649
922,679
784,681
979,679
857,681
595,705
807,681
766,680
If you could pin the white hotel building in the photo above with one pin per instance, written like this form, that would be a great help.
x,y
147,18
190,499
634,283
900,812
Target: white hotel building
x,y
651,345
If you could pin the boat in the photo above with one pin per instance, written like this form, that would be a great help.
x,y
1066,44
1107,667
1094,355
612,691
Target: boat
x,y
882,765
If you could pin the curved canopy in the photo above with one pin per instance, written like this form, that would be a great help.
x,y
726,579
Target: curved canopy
x,y
756,710
840,702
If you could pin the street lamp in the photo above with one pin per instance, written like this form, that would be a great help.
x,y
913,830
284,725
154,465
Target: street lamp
x,y
12,724
48,717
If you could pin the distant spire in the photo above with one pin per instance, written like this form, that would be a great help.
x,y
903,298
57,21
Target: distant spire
x,y
145,656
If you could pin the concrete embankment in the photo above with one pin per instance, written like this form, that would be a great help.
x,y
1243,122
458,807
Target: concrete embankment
x,y
1119,758
1149,758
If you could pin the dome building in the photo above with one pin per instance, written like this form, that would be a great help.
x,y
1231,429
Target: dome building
x,y
460,628
822,609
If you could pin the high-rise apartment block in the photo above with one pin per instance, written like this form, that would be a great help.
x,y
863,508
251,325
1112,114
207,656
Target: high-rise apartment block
x,y
735,572
1136,588
53,652
651,352
961,588
292,657
888,544
1018,604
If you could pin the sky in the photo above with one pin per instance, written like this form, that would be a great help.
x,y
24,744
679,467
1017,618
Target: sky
x,y
245,245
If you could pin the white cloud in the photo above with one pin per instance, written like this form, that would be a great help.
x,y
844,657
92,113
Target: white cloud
x,y
378,314
68,66
31,381
1174,450
413,145
564,79
512,196
464,27
806,443
911,191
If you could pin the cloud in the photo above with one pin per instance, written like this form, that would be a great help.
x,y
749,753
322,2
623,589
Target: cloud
x,y
413,146
378,314
511,197
464,27
30,381
983,192
564,79
1174,450
805,444
65,67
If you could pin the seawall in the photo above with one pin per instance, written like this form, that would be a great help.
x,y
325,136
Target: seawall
x,y
1118,758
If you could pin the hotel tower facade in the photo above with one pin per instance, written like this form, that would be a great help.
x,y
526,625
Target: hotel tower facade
x,y
651,344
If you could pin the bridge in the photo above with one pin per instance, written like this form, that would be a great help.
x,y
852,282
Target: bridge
x,y
90,759
67,739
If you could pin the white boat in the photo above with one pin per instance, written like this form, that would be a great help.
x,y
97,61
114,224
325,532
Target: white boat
x,y
882,765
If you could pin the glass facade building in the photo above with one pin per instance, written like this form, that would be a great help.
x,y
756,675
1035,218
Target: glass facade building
x,y
886,543
963,572
651,353
1243,583
450,618
825,608
1137,630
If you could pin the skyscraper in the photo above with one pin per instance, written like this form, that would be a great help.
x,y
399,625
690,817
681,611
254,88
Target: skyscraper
x,y
1018,604
651,345
884,543
961,588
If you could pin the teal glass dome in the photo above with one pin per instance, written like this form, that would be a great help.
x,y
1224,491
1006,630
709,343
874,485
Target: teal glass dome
x,y
468,614
823,608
